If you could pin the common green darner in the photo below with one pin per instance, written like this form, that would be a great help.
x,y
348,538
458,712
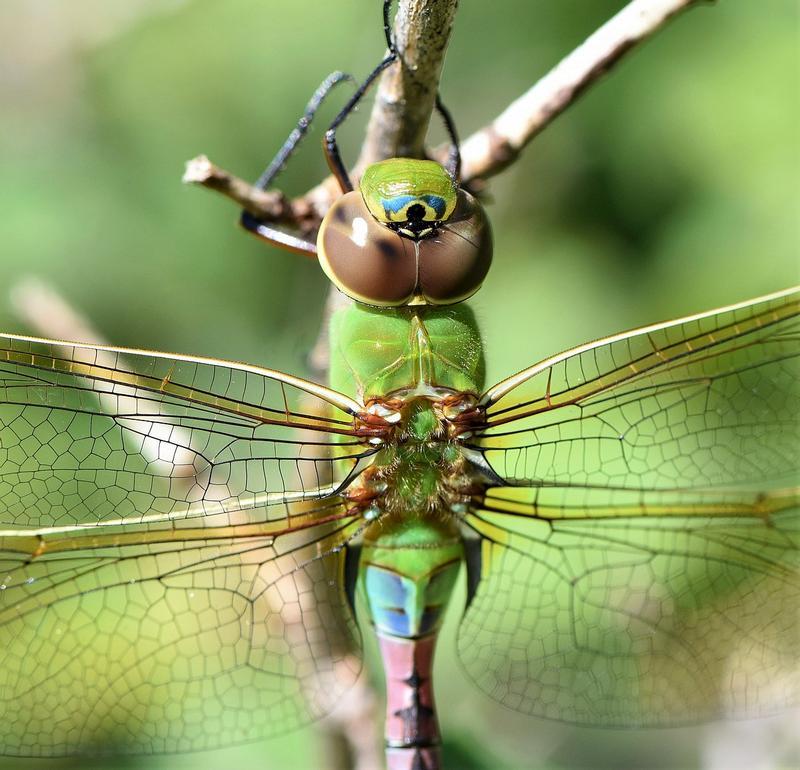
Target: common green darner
x,y
158,487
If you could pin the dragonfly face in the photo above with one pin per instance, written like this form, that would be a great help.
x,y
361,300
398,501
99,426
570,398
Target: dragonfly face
x,y
408,236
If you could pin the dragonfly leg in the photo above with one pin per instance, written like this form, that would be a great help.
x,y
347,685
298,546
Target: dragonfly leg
x,y
453,165
330,145
276,236
265,230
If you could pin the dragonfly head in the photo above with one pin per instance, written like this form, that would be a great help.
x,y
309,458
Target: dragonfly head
x,y
408,236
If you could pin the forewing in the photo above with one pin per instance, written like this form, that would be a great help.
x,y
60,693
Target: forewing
x,y
171,550
707,401
641,566
94,435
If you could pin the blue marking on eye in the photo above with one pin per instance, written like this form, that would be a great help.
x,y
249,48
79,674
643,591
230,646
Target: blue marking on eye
x,y
396,204
399,202
436,202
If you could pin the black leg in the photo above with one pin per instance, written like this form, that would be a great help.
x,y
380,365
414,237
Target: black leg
x,y
275,236
454,156
262,229
331,147
294,138
387,26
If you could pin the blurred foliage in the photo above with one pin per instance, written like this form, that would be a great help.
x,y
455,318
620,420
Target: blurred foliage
x,y
669,188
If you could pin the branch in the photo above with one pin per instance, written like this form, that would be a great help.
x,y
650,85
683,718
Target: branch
x,y
270,205
406,94
496,146
40,306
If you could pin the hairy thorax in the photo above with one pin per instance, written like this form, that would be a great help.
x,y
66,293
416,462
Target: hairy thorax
x,y
421,467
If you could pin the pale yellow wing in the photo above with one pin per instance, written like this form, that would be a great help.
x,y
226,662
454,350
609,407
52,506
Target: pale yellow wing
x,y
640,555
172,550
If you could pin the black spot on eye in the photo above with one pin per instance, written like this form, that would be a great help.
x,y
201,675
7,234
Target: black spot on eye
x,y
386,248
416,212
340,215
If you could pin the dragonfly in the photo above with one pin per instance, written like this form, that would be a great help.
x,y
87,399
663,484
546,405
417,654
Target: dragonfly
x,y
187,544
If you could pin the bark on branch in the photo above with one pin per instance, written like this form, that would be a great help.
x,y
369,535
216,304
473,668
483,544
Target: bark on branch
x,y
406,93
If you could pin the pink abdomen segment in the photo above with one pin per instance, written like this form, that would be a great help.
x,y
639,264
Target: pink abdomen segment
x,y
412,730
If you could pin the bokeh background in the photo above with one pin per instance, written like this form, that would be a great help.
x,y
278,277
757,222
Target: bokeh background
x,y
671,187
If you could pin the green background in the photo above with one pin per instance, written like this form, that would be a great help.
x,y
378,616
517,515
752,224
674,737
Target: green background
x,y
671,187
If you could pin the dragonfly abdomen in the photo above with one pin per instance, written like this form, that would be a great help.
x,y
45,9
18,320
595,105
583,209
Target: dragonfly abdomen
x,y
409,565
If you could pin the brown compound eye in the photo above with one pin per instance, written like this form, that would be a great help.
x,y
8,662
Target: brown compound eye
x,y
363,258
455,259
375,265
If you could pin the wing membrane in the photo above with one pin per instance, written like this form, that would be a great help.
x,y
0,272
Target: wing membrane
x,y
703,402
174,638
93,435
625,620
641,565
171,550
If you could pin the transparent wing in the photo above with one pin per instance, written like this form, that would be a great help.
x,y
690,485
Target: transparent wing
x,y
641,565
171,550
91,435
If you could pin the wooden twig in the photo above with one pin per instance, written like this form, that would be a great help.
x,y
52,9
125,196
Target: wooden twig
x,y
201,170
494,147
405,100
49,314
271,205
406,93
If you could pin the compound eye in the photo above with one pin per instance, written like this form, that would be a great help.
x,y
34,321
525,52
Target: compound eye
x,y
375,265
363,258
454,260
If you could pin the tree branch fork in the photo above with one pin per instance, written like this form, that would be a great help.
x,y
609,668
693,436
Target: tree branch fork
x,y
403,106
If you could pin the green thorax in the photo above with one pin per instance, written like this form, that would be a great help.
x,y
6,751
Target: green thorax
x,y
376,352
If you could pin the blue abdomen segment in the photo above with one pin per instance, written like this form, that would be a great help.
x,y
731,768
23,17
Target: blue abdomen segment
x,y
404,606
408,566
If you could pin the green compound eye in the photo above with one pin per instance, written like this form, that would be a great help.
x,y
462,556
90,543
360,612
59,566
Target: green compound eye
x,y
412,197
